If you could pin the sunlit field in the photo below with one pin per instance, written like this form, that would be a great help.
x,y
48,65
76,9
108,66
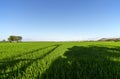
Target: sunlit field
x,y
60,60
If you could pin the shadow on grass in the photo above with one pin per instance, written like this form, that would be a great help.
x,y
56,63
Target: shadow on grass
x,y
21,70
93,62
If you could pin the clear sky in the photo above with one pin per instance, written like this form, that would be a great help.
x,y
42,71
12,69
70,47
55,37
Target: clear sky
x,y
59,19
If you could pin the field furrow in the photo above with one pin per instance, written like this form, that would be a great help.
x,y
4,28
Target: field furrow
x,y
60,60
19,64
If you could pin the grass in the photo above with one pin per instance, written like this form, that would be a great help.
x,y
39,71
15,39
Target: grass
x,y
60,60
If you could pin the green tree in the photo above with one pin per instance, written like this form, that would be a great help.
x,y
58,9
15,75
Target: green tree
x,y
15,38
18,38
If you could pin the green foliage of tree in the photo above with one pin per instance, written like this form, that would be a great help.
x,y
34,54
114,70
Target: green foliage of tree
x,y
15,38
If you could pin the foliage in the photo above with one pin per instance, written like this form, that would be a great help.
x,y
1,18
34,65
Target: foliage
x,y
110,39
15,38
3,40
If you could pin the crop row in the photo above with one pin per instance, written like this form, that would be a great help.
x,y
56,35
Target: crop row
x,y
19,66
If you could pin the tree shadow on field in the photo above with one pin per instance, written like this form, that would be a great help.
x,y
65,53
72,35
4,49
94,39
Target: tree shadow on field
x,y
27,62
92,62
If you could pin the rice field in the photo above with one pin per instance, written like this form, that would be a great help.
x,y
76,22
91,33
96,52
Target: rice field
x,y
60,60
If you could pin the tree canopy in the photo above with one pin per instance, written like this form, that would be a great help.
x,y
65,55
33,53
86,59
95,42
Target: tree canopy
x,y
15,38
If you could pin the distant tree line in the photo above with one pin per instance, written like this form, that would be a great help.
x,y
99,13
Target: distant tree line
x,y
13,38
110,39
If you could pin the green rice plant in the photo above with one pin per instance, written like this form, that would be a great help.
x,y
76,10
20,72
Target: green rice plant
x,y
60,60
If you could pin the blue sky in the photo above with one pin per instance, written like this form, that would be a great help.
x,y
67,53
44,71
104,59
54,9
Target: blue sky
x,y
60,19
